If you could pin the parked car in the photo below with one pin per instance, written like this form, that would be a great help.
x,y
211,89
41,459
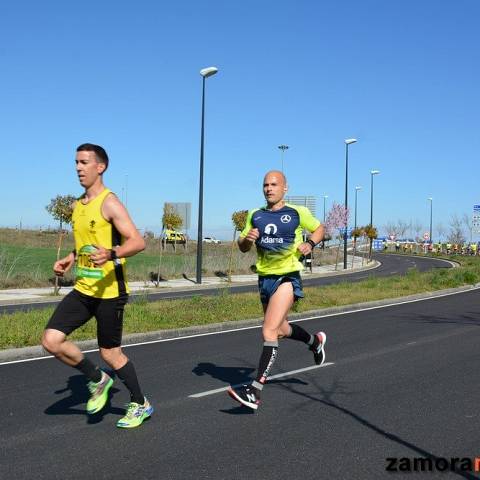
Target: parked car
x,y
210,240
172,236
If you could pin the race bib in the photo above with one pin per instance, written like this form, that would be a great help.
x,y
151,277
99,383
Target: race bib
x,y
84,267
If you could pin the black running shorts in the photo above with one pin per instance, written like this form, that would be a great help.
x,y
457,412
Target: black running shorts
x,y
76,309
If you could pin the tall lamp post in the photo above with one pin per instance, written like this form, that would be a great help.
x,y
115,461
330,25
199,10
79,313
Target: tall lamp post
x,y
283,148
324,200
356,192
372,174
348,142
205,73
430,199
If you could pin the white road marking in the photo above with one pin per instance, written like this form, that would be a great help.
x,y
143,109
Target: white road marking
x,y
348,312
273,377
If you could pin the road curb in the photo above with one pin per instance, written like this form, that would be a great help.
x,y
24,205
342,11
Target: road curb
x,y
50,300
25,353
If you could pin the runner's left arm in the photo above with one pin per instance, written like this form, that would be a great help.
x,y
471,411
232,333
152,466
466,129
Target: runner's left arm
x,y
309,222
133,243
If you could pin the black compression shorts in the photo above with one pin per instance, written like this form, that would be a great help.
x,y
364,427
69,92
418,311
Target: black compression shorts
x,y
76,309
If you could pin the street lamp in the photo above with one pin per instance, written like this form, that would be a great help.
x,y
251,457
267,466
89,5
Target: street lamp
x,y
430,199
205,73
356,191
348,142
324,200
372,173
283,148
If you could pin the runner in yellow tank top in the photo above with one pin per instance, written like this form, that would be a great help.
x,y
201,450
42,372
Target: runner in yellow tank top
x,y
104,235
91,229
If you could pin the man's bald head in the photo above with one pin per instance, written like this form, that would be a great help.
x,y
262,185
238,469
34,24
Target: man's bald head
x,y
276,173
274,187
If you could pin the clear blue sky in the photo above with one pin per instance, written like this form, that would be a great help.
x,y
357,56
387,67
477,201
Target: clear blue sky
x,y
401,76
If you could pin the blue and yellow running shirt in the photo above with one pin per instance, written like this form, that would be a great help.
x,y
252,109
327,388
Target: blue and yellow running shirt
x,y
280,235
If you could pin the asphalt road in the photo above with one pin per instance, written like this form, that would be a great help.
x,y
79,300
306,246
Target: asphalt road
x,y
400,381
390,265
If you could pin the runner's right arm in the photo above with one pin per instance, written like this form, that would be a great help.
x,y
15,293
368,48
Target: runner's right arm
x,y
62,266
248,235
245,243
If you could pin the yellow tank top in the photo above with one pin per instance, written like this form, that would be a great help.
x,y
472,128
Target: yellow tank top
x,y
89,229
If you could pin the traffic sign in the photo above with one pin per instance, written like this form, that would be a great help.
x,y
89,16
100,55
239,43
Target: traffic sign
x,y
476,219
377,245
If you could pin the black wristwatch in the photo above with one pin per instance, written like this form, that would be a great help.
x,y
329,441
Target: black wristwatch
x,y
113,254
312,243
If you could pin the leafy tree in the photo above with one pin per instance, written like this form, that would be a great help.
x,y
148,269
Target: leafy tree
x,y
239,220
171,219
61,208
371,233
356,232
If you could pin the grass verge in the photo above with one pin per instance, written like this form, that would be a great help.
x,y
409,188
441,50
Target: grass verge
x,y
25,328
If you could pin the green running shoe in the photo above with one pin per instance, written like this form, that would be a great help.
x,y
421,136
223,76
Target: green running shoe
x,y
98,394
135,415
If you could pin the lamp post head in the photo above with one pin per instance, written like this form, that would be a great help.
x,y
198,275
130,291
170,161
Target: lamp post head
x,y
349,141
358,188
208,72
283,147
430,198
325,196
374,172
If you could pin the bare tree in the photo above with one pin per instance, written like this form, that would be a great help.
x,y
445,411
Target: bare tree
x,y
397,229
468,222
441,230
391,229
416,229
456,234
402,228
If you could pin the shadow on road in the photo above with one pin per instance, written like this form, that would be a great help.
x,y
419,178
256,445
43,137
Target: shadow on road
x,y
236,376
232,375
79,394
325,397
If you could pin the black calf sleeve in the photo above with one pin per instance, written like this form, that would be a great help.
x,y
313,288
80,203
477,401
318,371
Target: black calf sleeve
x,y
298,333
267,359
90,370
128,376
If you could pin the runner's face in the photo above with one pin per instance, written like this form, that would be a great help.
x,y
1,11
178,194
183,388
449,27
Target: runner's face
x,y
88,169
274,188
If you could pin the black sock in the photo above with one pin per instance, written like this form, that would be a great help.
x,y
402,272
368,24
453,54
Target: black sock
x,y
90,370
267,359
298,333
128,376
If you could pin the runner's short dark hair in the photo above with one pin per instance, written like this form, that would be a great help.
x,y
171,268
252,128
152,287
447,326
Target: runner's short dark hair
x,y
99,151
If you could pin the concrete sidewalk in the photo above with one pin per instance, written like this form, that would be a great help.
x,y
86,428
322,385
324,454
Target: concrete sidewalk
x,y
25,295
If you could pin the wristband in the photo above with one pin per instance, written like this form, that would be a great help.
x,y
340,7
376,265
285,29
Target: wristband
x,y
312,243
113,254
